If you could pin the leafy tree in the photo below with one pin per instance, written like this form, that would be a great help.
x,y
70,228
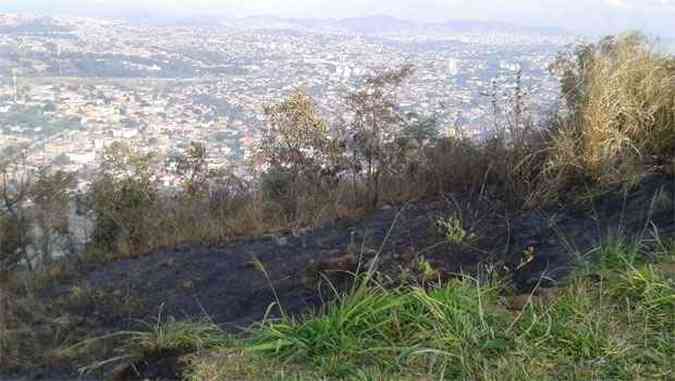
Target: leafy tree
x,y
376,124
296,150
122,197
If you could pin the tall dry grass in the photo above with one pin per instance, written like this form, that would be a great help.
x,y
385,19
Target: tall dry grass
x,y
625,116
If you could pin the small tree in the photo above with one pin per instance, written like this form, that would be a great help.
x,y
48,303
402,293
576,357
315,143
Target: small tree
x,y
375,125
194,170
122,197
295,149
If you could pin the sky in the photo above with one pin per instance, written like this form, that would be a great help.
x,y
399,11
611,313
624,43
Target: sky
x,y
654,17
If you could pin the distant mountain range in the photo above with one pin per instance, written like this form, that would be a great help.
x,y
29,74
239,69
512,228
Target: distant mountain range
x,y
387,25
376,25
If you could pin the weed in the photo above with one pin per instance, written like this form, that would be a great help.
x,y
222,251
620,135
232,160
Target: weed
x,y
454,231
426,269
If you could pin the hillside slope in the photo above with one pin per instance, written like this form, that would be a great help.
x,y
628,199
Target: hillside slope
x,y
225,283
234,284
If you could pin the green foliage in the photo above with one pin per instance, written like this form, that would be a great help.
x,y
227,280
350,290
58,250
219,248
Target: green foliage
x,y
575,326
426,269
453,230
299,156
164,337
278,184
640,284
171,336
393,329
375,128
615,325
123,199
354,326
620,328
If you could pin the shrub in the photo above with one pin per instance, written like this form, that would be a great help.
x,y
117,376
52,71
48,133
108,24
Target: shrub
x,y
123,199
454,231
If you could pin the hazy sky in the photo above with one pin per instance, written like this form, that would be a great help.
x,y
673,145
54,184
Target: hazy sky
x,y
594,16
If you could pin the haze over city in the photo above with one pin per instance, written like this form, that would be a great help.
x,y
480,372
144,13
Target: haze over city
x,y
580,16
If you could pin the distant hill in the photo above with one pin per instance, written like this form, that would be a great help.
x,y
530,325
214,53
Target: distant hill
x,y
386,25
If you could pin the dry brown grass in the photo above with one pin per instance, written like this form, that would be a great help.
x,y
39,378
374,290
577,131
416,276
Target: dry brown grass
x,y
625,117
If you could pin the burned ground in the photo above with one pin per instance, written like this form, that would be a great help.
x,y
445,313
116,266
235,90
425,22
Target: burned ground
x,y
235,283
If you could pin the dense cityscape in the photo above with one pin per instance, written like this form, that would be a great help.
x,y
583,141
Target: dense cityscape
x,y
70,86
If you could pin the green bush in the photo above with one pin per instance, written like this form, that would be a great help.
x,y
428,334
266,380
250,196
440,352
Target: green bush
x,y
124,200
